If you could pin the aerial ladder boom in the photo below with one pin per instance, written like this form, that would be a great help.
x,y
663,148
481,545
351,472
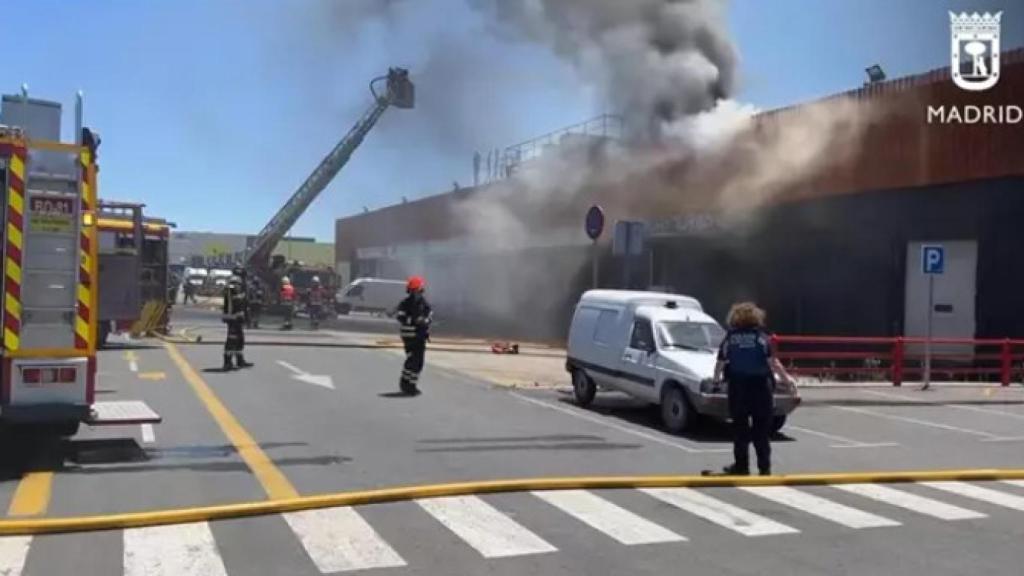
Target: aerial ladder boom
x,y
399,92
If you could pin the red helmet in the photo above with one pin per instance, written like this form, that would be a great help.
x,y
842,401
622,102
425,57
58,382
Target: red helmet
x,y
415,284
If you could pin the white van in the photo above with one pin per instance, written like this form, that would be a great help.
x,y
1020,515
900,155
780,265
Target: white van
x,y
657,347
370,295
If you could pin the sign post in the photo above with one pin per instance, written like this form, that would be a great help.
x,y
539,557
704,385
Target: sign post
x,y
594,225
933,262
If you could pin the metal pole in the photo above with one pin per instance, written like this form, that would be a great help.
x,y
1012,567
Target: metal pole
x,y
928,341
78,117
594,265
650,278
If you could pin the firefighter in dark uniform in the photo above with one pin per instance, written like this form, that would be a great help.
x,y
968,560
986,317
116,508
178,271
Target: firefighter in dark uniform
x,y
235,311
745,359
255,300
415,315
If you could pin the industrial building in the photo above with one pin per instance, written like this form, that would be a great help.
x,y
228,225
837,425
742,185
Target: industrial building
x,y
221,249
834,251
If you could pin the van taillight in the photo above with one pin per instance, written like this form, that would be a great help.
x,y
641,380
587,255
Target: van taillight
x,y
31,375
66,375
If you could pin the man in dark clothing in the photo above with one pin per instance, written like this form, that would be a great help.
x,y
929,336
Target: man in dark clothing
x,y
255,301
317,295
235,311
415,315
190,292
745,358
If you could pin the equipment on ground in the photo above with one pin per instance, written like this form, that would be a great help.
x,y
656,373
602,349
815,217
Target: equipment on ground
x,y
399,92
134,277
51,268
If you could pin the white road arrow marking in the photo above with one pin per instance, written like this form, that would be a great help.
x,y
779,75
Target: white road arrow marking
x,y
303,376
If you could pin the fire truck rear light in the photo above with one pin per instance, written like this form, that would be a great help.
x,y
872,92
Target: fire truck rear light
x,y
31,375
67,375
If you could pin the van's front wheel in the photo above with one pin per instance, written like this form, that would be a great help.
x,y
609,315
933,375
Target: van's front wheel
x,y
583,388
676,412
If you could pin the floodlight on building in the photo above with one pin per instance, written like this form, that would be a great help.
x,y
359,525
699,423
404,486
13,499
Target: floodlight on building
x,y
875,73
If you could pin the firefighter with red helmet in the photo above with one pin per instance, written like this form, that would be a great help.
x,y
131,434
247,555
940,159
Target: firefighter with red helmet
x,y
415,315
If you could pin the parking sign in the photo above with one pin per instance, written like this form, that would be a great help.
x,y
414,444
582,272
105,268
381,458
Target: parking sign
x,y
933,259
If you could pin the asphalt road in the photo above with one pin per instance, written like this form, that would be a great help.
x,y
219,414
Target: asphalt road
x,y
309,420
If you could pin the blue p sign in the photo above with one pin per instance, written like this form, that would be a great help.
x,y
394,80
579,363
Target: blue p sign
x,y
933,259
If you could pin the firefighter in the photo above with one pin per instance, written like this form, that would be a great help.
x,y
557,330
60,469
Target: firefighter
x,y
256,298
190,292
235,312
745,359
415,315
288,301
316,302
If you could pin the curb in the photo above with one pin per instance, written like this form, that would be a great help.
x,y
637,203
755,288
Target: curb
x,y
371,346
382,495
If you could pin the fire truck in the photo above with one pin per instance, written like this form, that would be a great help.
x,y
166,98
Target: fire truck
x,y
48,353
134,277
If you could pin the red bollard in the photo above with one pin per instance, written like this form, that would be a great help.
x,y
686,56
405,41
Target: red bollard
x,y
897,361
1005,362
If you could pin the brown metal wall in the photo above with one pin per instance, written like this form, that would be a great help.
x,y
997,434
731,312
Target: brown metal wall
x,y
899,150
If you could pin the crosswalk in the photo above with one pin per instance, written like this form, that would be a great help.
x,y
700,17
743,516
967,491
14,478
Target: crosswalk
x,y
344,539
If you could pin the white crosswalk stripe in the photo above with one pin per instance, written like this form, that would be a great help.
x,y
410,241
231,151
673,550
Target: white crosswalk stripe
x,y
490,532
613,520
721,513
171,551
13,552
980,493
903,499
339,540
1017,483
820,507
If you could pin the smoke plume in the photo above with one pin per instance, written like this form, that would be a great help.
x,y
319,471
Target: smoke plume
x,y
668,69
655,60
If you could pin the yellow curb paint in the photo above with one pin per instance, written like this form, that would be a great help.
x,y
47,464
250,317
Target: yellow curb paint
x,y
376,496
32,496
274,482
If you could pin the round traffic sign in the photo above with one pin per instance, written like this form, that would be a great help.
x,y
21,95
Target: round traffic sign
x,y
595,222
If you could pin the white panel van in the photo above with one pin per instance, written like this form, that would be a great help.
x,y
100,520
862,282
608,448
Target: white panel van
x,y
370,295
656,347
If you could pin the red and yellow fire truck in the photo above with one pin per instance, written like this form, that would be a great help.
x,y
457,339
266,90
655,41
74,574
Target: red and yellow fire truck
x,y
49,240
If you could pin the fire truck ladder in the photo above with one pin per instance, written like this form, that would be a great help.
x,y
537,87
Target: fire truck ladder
x,y
399,93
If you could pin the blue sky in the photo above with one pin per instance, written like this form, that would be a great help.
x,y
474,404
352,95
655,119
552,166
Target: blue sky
x,y
213,111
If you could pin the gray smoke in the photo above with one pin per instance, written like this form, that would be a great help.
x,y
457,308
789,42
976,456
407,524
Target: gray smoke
x,y
655,61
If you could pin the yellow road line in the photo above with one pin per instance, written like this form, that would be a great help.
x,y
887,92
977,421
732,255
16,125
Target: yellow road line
x,y
152,375
270,477
32,496
401,493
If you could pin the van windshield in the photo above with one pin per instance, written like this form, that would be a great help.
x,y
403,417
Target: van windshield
x,y
690,335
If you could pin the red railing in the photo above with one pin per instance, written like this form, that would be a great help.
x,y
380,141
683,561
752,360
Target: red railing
x,y
896,359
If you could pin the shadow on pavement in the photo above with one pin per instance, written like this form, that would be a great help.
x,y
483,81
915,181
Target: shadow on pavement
x,y
113,346
708,431
24,453
397,395
493,439
526,443
595,446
